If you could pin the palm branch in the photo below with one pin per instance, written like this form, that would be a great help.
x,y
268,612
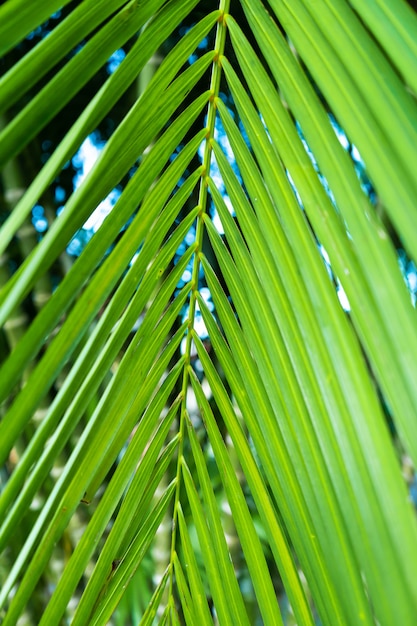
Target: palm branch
x,y
203,389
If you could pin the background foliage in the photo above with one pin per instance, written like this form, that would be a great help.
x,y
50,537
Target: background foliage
x,y
208,344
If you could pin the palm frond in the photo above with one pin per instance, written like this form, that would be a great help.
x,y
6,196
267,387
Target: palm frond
x,y
194,365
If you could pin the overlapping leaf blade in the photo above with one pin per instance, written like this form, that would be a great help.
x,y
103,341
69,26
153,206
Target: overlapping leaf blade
x,y
284,371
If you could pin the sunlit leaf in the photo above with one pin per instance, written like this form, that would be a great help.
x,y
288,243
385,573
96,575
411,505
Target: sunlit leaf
x,y
214,405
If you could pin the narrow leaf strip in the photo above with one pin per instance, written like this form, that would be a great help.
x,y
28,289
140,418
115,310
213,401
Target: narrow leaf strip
x,y
221,600
197,590
265,505
227,573
251,545
154,604
132,559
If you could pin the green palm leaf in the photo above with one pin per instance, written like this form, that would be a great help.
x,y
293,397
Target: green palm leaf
x,y
191,404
